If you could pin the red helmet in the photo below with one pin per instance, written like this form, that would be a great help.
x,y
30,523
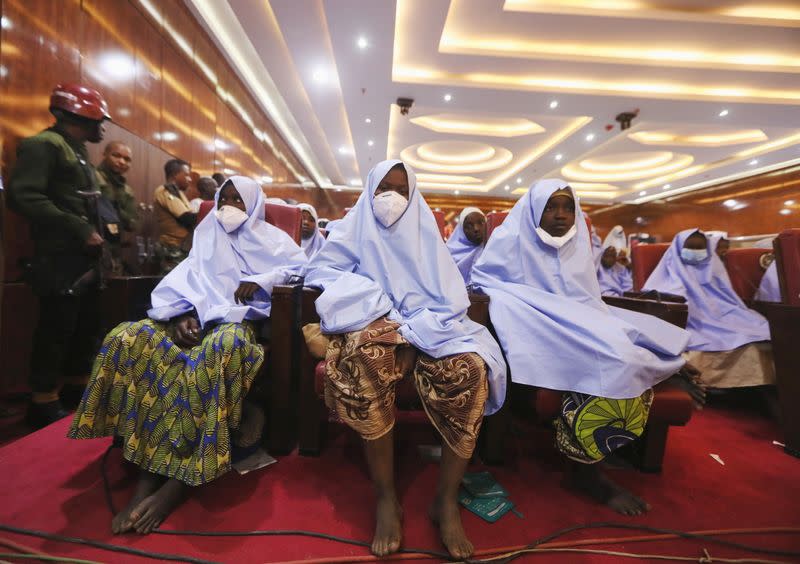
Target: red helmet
x,y
79,100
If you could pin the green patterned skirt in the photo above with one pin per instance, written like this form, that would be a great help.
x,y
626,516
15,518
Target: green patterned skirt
x,y
173,407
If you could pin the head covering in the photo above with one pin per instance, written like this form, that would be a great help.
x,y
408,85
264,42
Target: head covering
x,y
464,251
769,290
597,244
207,279
714,237
718,318
314,243
404,271
553,326
616,238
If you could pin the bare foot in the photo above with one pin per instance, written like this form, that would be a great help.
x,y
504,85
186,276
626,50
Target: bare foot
x,y
591,480
251,425
388,526
688,379
152,510
147,485
446,515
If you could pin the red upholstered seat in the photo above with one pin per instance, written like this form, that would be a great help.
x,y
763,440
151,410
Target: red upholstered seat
x,y
787,253
494,220
745,270
439,216
286,218
644,259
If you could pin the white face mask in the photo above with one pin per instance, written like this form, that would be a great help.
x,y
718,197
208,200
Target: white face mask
x,y
694,256
230,218
388,207
556,242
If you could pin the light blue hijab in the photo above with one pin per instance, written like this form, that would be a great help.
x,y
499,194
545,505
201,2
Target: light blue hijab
x,y
404,271
463,251
553,326
718,318
313,244
206,280
769,290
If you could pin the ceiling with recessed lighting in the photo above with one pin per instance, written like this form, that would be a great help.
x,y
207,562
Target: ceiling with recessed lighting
x,y
508,91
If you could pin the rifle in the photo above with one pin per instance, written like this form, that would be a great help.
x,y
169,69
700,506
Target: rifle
x,y
97,273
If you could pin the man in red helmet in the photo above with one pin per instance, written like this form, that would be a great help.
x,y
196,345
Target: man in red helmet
x,y
52,168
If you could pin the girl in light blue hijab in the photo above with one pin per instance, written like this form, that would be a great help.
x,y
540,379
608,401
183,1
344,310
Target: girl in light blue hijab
x,y
466,242
729,342
615,279
311,239
173,386
557,333
394,303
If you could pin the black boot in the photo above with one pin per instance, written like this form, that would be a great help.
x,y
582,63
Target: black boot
x,y
41,415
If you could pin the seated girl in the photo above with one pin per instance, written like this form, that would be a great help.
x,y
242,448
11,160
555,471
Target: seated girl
x,y
613,273
311,237
557,333
769,289
729,342
394,304
173,386
466,242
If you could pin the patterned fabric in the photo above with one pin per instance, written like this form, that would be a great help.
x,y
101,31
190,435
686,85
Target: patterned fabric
x,y
364,366
591,427
173,407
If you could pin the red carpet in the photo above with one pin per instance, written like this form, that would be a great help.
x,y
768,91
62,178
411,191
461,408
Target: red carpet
x,y
54,484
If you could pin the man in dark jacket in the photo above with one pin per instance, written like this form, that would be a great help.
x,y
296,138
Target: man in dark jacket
x,y
52,168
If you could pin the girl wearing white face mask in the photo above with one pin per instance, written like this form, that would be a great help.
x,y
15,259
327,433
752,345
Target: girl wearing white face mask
x,y
538,269
199,331
729,342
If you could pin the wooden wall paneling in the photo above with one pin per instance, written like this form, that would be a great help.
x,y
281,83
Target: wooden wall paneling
x,y
203,127
177,112
148,90
108,45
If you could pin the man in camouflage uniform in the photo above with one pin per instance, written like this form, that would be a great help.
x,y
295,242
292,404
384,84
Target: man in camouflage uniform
x,y
51,168
111,171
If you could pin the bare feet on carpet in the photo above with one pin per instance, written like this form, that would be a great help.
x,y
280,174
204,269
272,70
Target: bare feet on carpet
x,y
251,425
590,479
148,484
388,526
688,379
152,510
446,515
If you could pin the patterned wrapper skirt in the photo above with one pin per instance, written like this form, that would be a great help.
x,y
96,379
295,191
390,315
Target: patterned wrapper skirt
x,y
362,370
173,407
590,428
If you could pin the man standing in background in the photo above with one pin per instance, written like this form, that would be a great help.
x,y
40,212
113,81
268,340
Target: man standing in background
x,y
117,159
52,168
174,214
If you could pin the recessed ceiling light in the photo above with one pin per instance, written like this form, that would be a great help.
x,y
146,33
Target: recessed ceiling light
x,y
456,192
788,203
666,186
507,188
448,97
723,113
370,142
590,137
785,211
343,150
643,193
553,104
368,120
730,203
338,189
362,42
753,162
319,75
355,182
519,180
266,179
559,157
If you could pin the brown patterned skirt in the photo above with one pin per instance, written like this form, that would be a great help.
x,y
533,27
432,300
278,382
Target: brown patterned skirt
x,y
364,366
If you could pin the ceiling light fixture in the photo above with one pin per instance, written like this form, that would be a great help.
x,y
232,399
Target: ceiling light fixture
x,y
590,137
666,186
319,76
266,179
788,203
553,104
730,203
448,97
723,113
785,211
362,42
344,150
507,188
753,162
370,143
368,120
456,192
643,193
559,157
490,126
